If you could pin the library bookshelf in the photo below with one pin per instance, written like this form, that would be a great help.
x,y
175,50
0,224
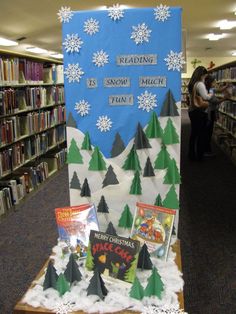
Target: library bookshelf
x,y
32,125
225,126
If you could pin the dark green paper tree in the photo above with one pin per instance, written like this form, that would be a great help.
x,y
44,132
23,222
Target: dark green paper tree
x,y
158,201
155,286
86,142
137,291
111,229
172,174
74,156
170,135
126,218
140,140
136,188
89,259
118,146
102,206
50,280
96,285
110,177
97,162
71,121
72,272
154,129
171,199
163,158
62,285
74,183
169,108
132,160
148,169
144,261
85,190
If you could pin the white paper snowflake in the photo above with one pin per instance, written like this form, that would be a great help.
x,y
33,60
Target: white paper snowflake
x,y
152,309
162,13
65,14
63,308
104,123
115,12
72,43
175,60
73,72
91,26
140,33
147,101
100,58
82,107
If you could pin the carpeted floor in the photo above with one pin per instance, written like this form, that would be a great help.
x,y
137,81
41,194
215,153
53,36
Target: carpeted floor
x,y
207,232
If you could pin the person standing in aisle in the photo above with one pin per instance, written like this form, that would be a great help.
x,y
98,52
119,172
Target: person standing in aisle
x,y
199,98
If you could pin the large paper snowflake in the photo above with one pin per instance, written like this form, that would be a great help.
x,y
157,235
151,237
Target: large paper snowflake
x,y
82,107
115,12
175,61
140,33
65,14
63,308
100,58
104,123
152,309
72,43
91,26
73,72
162,13
147,101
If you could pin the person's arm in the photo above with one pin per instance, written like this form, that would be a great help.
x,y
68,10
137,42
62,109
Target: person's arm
x,y
202,91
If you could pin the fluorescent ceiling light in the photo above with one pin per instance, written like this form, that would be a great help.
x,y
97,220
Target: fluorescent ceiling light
x,y
215,36
57,55
234,53
36,50
225,24
7,42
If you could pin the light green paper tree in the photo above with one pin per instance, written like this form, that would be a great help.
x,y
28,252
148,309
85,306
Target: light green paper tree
x,y
171,199
155,286
126,219
132,160
97,162
170,135
89,260
154,129
62,285
172,174
130,273
158,201
136,188
86,142
74,156
162,159
137,291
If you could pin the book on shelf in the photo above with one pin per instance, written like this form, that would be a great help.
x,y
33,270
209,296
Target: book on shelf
x,y
74,225
153,225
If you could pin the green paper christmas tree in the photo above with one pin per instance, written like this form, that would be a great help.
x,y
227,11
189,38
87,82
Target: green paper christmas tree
x,y
158,201
170,135
50,280
144,261
136,188
137,291
71,121
85,190
118,146
132,160
140,140
97,162
96,286
62,285
102,206
89,259
172,174
155,286
72,272
148,169
110,177
74,183
130,273
171,199
74,156
154,129
86,142
169,108
126,219
163,158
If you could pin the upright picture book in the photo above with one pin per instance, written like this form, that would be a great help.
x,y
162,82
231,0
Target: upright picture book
x,y
153,225
74,225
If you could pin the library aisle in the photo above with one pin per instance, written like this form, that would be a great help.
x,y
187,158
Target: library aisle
x,y
207,233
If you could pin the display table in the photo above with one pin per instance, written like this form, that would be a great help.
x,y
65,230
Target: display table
x,y
22,308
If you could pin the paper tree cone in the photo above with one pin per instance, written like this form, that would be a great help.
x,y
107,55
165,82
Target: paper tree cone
x,y
110,229
155,286
136,188
97,163
73,155
97,286
144,261
136,291
148,169
110,178
126,219
118,146
75,183
85,190
86,142
71,121
72,272
172,174
50,280
154,129
62,285
132,160
170,135
158,201
102,206
163,158
141,141
169,108
171,199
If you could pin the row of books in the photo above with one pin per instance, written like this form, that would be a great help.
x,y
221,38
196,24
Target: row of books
x,y
27,179
13,128
225,74
228,107
9,70
227,123
23,151
15,100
